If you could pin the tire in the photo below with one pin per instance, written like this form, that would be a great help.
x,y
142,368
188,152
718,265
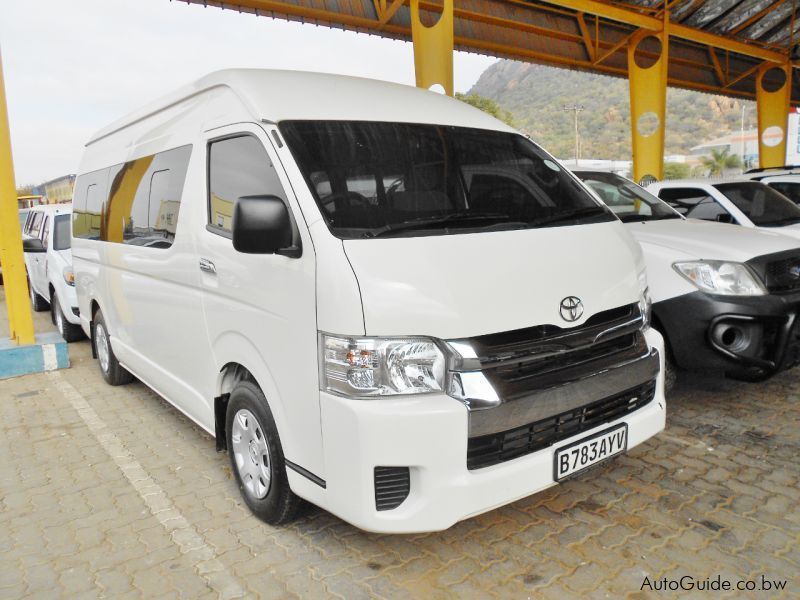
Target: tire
x,y
256,455
38,303
113,372
670,371
69,331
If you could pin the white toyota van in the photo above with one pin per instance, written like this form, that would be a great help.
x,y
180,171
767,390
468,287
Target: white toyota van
x,y
344,281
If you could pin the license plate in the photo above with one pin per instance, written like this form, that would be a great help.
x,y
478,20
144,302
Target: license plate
x,y
589,451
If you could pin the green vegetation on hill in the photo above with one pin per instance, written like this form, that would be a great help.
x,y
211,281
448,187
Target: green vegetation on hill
x,y
536,95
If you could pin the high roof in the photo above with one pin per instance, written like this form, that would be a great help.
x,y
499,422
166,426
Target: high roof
x,y
715,45
276,95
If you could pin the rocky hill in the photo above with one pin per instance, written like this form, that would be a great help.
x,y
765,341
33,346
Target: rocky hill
x,y
536,95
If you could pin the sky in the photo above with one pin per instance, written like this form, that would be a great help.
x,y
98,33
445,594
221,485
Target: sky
x,y
71,67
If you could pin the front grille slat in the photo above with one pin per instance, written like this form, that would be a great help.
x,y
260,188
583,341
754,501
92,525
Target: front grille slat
x,y
392,486
488,450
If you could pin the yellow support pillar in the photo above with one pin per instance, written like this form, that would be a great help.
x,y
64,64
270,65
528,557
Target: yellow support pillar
x,y
20,319
648,90
773,90
433,48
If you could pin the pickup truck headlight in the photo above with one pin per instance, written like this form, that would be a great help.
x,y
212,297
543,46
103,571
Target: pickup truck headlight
x,y
721,277
366,367
69,276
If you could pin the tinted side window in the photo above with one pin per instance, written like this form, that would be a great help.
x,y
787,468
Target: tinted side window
x,y
238,166
144,199
88,203
788,189
61,235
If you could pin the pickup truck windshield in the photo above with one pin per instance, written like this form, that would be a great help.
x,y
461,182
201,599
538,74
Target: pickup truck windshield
x,y
630,202
375,179
763,206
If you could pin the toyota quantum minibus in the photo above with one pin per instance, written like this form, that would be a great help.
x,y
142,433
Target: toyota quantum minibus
x,y
339,279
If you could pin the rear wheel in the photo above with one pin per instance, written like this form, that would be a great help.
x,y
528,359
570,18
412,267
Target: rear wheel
x,y
69,331
256,456
38,303
113,372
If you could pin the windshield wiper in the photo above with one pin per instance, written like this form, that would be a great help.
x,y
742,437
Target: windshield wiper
x,y
429,222
569,215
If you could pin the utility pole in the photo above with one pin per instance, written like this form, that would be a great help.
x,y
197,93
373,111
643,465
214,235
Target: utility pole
x,y
576,108
744,108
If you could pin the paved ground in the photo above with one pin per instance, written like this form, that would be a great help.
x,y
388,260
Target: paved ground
x,y
109,492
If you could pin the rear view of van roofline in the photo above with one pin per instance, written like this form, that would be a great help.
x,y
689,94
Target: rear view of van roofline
x,y
357,287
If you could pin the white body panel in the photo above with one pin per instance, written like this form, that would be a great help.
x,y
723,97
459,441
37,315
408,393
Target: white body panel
x,y
667,242
176,327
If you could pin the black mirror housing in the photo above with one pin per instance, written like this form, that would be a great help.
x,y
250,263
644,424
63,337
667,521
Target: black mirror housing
x,y
33,245
725,218
262,225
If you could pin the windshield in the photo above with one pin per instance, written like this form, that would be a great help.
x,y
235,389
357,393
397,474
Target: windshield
x,y
630,202
762,205
790,189
374,179
62,236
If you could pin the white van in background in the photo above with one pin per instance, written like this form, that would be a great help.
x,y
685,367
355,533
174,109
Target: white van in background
x,y
46,242
297,262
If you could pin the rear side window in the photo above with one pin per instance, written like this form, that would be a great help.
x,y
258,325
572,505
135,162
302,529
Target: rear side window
x,y
144,199
46,232
36,224
136,202
239,166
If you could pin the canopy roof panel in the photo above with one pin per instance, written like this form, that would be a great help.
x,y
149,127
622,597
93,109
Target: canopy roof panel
x,y
715,45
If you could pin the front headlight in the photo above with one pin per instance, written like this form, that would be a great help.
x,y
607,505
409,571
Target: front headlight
x,y
645,307
69,276
364,367
720,277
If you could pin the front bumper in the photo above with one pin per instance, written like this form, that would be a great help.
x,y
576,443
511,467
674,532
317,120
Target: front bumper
x,y
429,435
730,334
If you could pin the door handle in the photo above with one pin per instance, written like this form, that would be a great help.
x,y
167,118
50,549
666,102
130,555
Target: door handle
x,y
207,266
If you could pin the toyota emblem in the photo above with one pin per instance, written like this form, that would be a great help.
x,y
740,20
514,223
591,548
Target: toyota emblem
x,y
571,308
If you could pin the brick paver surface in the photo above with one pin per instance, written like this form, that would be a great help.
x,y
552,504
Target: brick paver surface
x,y
110,492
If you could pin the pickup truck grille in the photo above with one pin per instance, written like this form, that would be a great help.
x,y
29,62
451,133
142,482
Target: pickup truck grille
x,y
488,450
780,272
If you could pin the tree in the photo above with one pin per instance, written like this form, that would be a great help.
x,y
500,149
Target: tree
x,y
673,170
488,106
719,162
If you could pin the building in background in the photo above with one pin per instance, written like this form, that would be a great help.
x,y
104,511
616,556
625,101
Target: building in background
x,y
56,191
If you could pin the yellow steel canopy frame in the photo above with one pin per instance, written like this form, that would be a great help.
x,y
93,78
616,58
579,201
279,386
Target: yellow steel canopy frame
x,y
20,319
433,48
648,90
773,110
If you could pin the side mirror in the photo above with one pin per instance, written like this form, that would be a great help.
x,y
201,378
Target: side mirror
x,y
261,225
33,245
725,218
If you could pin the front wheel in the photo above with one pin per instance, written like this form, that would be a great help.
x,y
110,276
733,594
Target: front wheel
x,y
256,456
38,303
69,331
113,372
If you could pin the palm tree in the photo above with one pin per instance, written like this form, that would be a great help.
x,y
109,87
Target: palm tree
x,y
720,161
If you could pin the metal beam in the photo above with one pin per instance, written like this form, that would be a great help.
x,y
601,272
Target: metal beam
x,y
433,48
691,34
